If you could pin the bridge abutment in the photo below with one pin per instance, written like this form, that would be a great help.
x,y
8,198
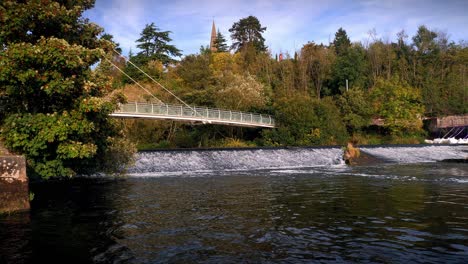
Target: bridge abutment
x,y
14,189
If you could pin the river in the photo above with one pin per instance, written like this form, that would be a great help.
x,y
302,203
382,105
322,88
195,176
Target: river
x,y
292,205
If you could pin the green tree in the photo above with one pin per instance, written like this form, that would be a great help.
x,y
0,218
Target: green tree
x,y
248,31
317,61
425,40
341,42
436,70
303,121
28,21
351,66
403,53
381,57
196,77
400,106
55,107
356,109
106,68
205,50
220,43
154,45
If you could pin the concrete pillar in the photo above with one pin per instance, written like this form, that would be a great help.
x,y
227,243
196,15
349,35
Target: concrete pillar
x,y
14,190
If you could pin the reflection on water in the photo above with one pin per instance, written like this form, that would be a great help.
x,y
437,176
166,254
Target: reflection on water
x,y
388,213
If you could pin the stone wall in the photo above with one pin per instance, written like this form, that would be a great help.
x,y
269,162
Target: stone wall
x,y
452,121
14,190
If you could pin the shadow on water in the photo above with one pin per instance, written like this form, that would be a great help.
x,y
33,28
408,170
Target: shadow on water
x,y
69,222
15,236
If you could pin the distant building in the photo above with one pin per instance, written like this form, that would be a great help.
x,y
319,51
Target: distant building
x,y
213,38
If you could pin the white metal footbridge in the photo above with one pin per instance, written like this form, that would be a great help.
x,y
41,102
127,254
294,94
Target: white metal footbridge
x,y
193,114
185,112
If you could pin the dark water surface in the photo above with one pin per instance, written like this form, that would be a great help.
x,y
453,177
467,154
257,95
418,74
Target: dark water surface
x,y
387,213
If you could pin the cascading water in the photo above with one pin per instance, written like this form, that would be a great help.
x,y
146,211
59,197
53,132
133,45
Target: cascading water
x,y
416,154
224,160
187,162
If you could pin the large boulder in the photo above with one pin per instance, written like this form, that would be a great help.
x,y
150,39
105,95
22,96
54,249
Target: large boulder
x,y
351,153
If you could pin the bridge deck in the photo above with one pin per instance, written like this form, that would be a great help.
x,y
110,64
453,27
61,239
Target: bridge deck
x,y
193,114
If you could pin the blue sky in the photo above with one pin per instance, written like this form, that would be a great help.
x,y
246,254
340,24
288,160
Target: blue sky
x,y
290,24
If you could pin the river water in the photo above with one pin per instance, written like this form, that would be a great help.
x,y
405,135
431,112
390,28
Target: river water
x,y
300,205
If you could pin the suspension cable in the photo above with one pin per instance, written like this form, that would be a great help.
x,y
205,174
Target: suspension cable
x,y
459,132
448,132
162,86
141,86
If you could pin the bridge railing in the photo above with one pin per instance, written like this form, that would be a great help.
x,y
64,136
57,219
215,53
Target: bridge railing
x,y
201,113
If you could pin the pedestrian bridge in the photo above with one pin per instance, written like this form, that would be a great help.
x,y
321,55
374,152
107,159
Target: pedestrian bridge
x,y
193,114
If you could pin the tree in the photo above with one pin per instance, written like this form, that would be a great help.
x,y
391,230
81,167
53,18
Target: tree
x,y
356,109
425,40
432,63
107,68
318,61
381,57
399,104
154,46
241,93
302,120
341,42
285,73
403,54
248,31
220,43
27,22
55,107
222,63
351,66
110,38
205,50
196,78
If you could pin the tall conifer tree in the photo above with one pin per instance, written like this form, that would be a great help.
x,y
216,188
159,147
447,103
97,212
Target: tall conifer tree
x,y
220,43
248,31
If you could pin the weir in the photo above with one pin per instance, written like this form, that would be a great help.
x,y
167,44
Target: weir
x,y
172,162
416,154
161,162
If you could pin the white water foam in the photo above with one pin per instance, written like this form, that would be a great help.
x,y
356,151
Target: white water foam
x,y
459,180
188,163
208,161
417,154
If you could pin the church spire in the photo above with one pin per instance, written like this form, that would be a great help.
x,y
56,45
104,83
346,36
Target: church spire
x,y
213,38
